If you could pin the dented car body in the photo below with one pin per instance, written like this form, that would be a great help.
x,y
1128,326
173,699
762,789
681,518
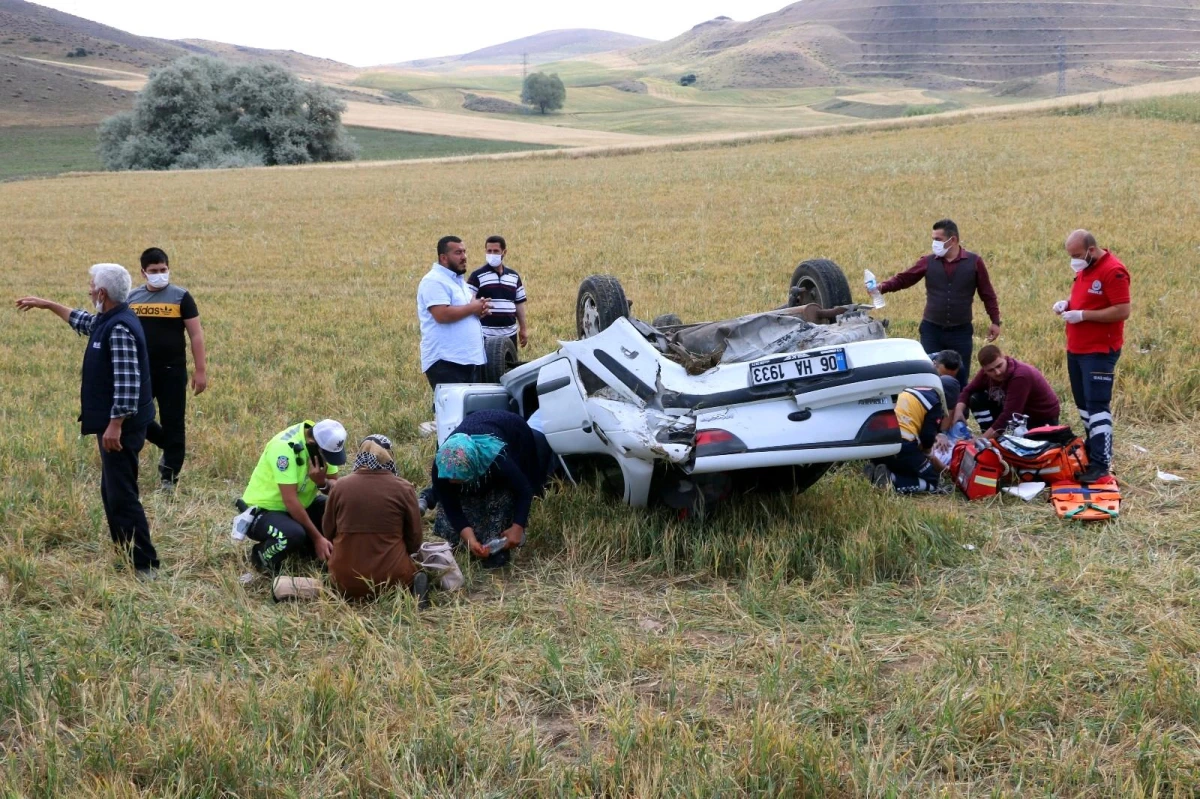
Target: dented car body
x,y
792,395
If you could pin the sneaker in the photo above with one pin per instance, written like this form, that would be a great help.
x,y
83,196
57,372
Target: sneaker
x,y
1094,473
147,575
167,486
420,590
881,477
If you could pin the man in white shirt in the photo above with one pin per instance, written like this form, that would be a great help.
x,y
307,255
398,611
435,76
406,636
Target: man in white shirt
x,y
451,334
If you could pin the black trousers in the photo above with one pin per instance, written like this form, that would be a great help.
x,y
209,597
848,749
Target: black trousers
x,y
280,537
960,338
169,383
985,410
909,467
122,503
450,372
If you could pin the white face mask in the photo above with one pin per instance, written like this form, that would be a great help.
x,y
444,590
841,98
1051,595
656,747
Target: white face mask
x,y
494,259
1078,264
939,248
158,281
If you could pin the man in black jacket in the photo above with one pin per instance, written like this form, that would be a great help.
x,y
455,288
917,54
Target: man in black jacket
x,y
116,404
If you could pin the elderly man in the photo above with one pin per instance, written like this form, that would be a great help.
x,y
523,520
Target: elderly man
x,y
451,334
117,404
953,276
1095,317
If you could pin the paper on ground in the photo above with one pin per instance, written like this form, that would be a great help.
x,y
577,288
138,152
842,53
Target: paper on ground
x,y
1141,449
1025,491
1167,477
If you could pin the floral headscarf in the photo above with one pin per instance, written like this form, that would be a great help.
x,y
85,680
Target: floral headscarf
x,y
375,452
467,458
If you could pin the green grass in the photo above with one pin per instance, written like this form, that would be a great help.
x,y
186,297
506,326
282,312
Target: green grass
x,y
388,145
1180,108
33,151
841,643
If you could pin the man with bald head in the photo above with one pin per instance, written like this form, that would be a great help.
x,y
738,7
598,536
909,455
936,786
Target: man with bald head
x,y
1095,318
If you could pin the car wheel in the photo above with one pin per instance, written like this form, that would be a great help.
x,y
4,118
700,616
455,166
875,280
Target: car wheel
x,y
667,320
601,301
501,356
821,281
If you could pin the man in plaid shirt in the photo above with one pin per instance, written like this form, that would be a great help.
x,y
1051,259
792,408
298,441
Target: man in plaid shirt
x,y
116,404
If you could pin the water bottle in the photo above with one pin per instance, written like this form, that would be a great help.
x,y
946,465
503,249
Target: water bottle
x,y
496,545
873,289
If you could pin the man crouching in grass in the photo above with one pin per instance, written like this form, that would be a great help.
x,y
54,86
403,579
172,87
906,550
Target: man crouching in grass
x,y
116,404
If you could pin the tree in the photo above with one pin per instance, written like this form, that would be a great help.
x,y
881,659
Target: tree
x,y
544,91
202,112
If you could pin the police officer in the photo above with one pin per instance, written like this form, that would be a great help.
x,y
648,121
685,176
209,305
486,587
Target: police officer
x,y
285,488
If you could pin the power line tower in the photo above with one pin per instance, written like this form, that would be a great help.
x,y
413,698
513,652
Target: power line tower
x,y
1062,65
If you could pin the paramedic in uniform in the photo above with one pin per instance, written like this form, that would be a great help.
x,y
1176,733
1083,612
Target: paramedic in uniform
x,y
953,276
1095,320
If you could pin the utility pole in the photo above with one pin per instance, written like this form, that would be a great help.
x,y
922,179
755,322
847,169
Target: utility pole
x,y
524,66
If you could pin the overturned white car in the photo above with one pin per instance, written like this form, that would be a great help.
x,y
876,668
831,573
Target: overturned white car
x,y
687,414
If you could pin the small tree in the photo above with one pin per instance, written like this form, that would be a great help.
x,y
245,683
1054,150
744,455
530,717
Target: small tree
x,y
202,112
544,91
688,79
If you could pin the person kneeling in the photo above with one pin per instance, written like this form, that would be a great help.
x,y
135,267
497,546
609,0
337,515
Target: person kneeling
x,y
922,418
485,476
372,519
1004,387
284,488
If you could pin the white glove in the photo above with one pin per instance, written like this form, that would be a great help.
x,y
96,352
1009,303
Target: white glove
x,y
1072,317
1060,306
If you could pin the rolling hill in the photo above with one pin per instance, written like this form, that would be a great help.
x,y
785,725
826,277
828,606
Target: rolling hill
x,y
940,44
541,48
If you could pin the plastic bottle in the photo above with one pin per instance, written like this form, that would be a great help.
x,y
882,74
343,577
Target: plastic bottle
x,y
873,289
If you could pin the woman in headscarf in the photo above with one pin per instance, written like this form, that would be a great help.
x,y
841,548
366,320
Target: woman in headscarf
x,y
372,519
485,476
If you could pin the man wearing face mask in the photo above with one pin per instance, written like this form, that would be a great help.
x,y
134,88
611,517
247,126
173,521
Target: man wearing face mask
x,y
505,292
166,311
953,276
116,404
451,335
294,467
1095,318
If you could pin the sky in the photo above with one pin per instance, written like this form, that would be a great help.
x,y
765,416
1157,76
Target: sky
x,y
370,32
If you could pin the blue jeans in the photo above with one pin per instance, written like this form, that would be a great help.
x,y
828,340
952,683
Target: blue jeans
x,y
960,338
1092,377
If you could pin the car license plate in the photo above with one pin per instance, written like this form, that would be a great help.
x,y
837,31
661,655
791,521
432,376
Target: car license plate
x,y
797,367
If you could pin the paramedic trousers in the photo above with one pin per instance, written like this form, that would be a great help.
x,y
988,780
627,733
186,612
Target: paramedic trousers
x,y
909,467
985,410
1092,377
280,537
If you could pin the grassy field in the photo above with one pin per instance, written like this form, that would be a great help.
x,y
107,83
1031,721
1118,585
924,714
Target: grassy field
x,y
34,152
840,643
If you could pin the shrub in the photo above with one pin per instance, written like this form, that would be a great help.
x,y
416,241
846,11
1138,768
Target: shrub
x,y
202,112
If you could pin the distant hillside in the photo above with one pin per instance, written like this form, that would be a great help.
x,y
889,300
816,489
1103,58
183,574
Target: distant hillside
x,y
47,94
33,31
1004,44
541,48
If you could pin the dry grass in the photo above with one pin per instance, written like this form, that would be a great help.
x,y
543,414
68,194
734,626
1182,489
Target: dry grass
x,y
839,643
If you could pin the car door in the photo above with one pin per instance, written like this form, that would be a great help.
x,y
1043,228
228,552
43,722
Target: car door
x,y
566,422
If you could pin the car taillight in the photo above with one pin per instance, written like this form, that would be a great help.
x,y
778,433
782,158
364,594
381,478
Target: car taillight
x,y
717,442
880,428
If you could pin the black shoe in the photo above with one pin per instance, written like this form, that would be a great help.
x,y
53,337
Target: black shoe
x,y
1094,473
420,590
427,499
147,575
496,561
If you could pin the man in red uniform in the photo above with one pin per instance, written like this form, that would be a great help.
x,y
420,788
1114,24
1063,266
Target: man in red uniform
x,y
953,276
1095,318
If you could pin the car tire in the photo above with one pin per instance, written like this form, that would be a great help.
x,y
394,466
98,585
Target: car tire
x,y
821,281
501,356
600,302
666,320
